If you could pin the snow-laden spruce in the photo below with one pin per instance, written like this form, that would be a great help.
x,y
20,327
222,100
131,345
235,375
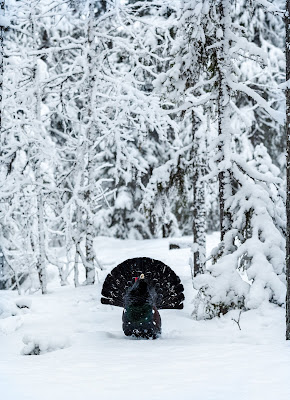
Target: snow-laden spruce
x,y
219,77
253,269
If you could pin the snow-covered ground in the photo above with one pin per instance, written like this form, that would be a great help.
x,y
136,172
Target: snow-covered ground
x,y
86,356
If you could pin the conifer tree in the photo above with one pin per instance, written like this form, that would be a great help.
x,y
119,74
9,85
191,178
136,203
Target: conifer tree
x,y
224,288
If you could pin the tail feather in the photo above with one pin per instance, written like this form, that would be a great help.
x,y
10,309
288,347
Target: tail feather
x,y
162,278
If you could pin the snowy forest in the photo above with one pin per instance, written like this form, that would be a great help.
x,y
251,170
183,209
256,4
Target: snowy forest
x,y
153,128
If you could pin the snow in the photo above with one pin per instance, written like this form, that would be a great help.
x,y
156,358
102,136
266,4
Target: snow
x,y
86,356
23,302
7,307
269,6
4,21
36,345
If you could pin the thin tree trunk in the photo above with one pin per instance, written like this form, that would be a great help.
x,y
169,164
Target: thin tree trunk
x,y
76,268
2,11
40,265
77,242
224,147
91,59
41,260
199,213
287,23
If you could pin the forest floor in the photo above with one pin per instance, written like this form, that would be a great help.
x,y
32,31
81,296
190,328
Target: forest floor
x,y
204,360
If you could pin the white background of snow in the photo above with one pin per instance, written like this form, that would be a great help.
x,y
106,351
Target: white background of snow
x,y
210,360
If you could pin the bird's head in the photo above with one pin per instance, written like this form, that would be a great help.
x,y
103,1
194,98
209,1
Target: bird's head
x,y
140,285
142,276
139,293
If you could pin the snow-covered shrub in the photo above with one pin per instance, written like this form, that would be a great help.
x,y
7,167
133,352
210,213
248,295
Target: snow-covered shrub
x,y
36,345
220,289
249,265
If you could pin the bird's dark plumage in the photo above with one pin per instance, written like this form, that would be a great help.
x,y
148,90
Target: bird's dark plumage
x,y
156,287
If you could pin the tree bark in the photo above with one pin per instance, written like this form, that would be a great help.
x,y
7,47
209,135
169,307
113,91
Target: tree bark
x,y
41,258
2,11
91,59
224,147
199,213
287,25
40,265
77,242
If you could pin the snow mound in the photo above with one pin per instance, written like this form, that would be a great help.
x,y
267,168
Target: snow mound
x,y
23,302
10,324
36,345
7,308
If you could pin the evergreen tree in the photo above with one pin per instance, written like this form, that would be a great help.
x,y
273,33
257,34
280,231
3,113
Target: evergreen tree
x,y
224,288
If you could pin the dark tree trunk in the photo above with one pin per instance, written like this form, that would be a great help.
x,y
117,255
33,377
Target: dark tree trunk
x,y
2,9
287,24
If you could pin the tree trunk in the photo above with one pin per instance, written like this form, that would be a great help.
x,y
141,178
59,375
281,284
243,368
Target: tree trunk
x,y
287,24
2,11
40,265
224,147
91,59
77,242
41,259
199,213
76,269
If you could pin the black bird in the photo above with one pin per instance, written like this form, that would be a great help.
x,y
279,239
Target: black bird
x,y
142,286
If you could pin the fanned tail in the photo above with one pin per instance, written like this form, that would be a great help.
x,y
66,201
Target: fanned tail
x,y
159,276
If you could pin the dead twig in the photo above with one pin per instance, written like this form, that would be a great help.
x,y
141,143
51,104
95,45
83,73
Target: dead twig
x,y
238,320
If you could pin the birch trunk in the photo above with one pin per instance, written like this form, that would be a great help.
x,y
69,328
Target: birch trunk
x,y
199,213
40,265
41,259
224,147
77,242
91,60
287,23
